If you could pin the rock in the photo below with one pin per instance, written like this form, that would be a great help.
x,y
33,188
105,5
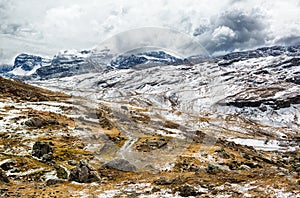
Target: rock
x,y
83,173
42,150
36,122
163,181
52,121
149,145
155,189
61,172
187,190
253,165
244,167
222,153
3,177
72,162
50,182
121,164
7,164
213,168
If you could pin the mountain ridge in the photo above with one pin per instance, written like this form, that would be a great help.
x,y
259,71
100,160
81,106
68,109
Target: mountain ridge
x,y
68,63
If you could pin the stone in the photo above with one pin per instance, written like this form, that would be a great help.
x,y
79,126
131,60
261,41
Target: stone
x,y
36,122
72,162
3,177
163,181
52,121
7,164
50,182
155,189
211,168
244,167
121,164
84,173
187,191
61,172
42,150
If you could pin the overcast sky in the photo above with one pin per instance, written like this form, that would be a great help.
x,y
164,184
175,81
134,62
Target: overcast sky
x,y
48,26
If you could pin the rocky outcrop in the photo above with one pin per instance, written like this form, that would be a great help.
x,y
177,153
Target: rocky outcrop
x,y
27,62
121,164
43,151
187,191
3,177
36,122
151,144
84,173
61,172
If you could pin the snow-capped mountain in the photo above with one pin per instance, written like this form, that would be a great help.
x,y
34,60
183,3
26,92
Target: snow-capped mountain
x,y
231,116
259,85
69,63
146,58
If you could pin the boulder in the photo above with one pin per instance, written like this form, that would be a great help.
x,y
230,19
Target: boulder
x,y
84,173
7,164
50,182
61,171
36,122
121,164
212,168
42,150
3,177
187,191
244,167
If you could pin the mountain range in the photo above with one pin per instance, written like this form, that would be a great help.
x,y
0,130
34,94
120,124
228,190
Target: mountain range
x,y
151,124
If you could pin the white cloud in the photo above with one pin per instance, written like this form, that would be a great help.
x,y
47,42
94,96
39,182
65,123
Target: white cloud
x,y
54,25
222,34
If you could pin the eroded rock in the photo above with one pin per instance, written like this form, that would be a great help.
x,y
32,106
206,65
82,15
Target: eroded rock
x,y
84,173
187,190
121,164
50,182
36,122
3,177
61,171
43,151
7,164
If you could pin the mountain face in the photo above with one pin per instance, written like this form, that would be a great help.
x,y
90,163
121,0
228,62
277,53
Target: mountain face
x,y
149,58
69,63
260,85
152,124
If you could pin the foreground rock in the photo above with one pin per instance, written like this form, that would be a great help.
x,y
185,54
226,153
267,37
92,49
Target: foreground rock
x,y
84,173
121,164
36,122
3,178
43,151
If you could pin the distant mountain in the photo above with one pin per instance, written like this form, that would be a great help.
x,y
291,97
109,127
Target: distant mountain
x,y
260,52
221,120
71,62
152,58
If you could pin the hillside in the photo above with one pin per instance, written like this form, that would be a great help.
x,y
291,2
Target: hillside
x,y
221,127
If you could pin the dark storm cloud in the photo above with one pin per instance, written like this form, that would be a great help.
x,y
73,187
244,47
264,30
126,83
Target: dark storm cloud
x,y
236,29
289,40
227,25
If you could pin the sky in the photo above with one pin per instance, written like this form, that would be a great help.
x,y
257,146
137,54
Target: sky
x,y
49,26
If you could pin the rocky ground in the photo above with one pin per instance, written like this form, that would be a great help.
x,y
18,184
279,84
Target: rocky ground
x,y
54,145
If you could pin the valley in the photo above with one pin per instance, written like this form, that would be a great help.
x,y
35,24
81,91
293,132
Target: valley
x,y
206,127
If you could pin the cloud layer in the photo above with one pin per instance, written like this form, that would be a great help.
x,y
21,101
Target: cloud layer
x,y
220,26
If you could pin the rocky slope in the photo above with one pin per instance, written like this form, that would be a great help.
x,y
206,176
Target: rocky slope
x,y
219,127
